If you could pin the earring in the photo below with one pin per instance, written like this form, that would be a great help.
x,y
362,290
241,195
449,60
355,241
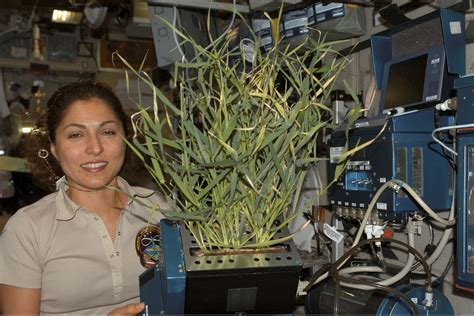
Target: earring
x,y
44,154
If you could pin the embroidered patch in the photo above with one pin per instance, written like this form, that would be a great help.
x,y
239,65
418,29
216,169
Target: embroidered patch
x,y
147,244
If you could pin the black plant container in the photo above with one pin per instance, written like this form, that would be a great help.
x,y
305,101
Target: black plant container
x,y
263,282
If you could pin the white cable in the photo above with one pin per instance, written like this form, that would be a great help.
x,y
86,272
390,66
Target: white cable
x,y
445,105
448,231
444,239
397,277
426,208
392,184
363,223
434,256
433,135
366,269
371,206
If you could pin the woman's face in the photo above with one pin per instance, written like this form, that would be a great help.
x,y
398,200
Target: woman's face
x,y
89,144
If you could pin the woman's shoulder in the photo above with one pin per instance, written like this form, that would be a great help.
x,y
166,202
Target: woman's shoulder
x,y
37,213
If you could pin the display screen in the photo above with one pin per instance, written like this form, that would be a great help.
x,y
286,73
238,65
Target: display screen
x,y
405,82
470,212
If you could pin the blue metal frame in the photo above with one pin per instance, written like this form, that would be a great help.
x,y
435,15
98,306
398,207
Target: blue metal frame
x,y
465,278
465,141
465,111
394,305
162,287
453,40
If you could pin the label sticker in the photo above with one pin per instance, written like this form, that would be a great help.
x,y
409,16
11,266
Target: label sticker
x,y
332,233
431,97
381,206
362,124
335,153
260,24
455,27
247,47
435,61
358,163
320,8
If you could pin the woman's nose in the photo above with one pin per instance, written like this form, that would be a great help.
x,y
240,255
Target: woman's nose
x,y
95,146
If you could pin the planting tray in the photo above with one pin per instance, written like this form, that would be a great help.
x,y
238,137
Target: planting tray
x,y
256,282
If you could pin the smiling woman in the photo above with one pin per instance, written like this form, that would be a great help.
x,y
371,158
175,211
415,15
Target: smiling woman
x,y
74,250
89,148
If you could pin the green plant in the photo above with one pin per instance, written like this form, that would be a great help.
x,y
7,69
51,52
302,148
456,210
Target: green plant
x,y
244,138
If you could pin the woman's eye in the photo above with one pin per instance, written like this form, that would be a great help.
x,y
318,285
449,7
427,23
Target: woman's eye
x,y
109,132
74,135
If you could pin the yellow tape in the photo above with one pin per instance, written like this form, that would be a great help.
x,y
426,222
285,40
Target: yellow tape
x,y
8,163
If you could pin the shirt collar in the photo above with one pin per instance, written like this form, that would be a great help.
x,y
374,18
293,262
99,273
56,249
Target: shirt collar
x,y
67,208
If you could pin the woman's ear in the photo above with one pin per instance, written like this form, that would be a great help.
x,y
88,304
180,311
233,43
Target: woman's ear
x,y
52,147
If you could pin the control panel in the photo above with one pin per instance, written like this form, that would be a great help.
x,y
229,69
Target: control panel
x,y
403,151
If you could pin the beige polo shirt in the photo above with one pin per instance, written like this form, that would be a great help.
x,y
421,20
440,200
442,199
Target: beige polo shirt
x,y
65,250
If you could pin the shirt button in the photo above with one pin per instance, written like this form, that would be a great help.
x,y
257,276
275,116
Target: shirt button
x,y
111,256
119,233
96,218
104,236
117,253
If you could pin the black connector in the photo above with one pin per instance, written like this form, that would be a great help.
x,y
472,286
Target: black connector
x,y
429,249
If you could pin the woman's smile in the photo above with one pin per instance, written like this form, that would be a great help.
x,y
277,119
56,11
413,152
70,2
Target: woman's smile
x,y
94,166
